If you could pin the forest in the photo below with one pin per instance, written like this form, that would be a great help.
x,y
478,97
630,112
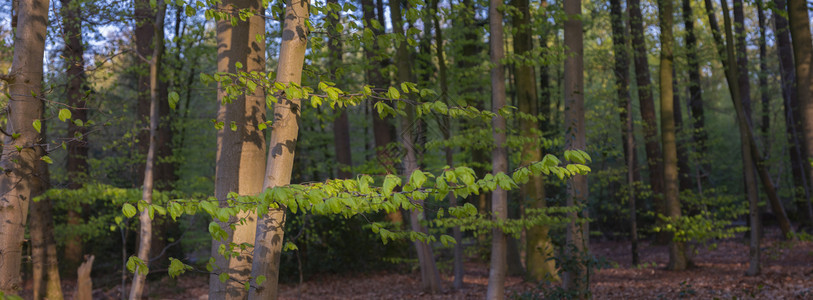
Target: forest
x,y
406,149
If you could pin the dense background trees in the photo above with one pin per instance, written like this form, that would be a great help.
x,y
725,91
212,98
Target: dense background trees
x,y
284,139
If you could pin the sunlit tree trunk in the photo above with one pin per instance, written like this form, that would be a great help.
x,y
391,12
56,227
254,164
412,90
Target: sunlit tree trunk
x,y
18,180
138,289
284,131
240,158
499,156
647,104
677,249
576,279
621,70
793,117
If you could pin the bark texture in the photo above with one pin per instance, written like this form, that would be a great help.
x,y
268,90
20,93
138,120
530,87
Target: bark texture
x,y
499,156
621,70
799,22
270,233
647,104
76,162
677,249
576,279
696,110
19,180
793,117
240,154
539,248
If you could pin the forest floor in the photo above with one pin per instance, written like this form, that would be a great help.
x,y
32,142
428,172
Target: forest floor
x,y
718,273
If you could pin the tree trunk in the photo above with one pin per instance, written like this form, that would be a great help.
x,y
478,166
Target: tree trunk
x,y
499,158
430,278
240,154
646,101
539,249
457,253
726,53
621,70
341,126
765,99
576,279
677,249
803,58
684,180
18,181
793,116
699,134
138,289
76,163
746,132
270,233
41,230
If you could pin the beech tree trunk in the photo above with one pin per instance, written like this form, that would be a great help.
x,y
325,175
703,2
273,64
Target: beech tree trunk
x,y
746,132
647,104
76,162
137,290
18,182
430,277
539,248
696,111
793,117
621,70
457,267
45,275
765,99
677,249
240,154
499,156
576,279
284,131
803,57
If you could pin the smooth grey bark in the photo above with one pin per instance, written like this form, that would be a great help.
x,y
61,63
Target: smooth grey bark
x,y
799,21
240,154
282,146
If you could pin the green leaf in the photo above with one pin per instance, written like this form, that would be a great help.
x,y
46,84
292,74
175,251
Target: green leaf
x,y
393,93
173,100
38,125
223,277
47,159
238,65
64,114
447,240
260,279
129,210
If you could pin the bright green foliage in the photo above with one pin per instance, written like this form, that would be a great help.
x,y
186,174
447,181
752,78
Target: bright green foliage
x,y
708,218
